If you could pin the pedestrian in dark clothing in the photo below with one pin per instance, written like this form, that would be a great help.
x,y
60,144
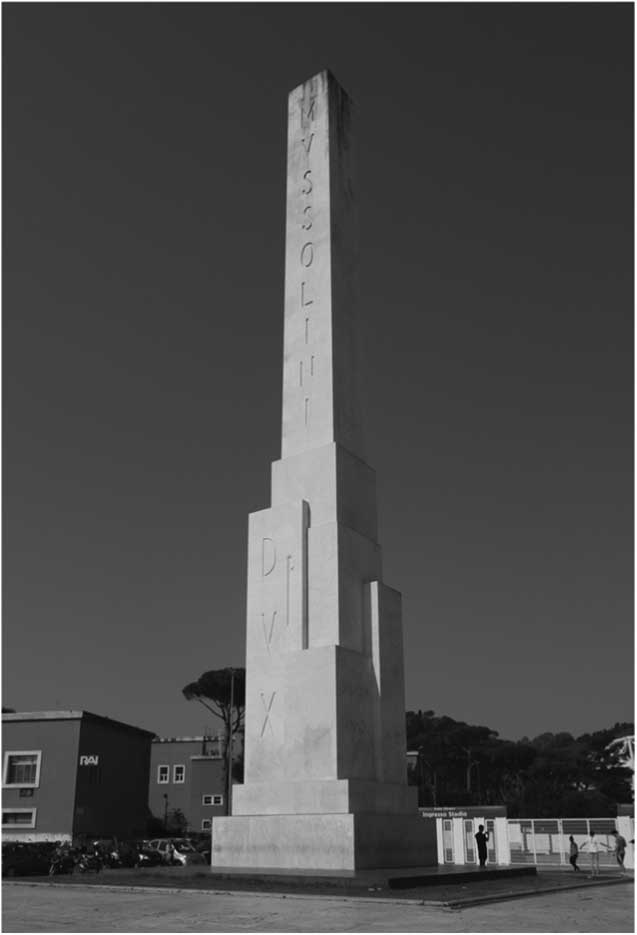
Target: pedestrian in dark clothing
x,y
574,853
481,841
620,848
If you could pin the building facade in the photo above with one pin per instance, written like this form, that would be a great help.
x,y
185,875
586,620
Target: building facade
x,y
187,782
71,775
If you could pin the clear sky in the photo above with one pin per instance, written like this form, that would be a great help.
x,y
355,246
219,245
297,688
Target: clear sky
x,y
144,201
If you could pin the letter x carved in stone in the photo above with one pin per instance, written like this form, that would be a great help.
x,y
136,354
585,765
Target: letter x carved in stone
x,y
267,707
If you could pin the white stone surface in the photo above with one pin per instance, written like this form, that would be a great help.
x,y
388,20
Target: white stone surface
x,y
338,484
320,372
324,796
325,766
319,842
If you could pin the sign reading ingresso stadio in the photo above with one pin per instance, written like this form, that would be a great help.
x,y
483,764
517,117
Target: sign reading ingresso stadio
x,y
465,811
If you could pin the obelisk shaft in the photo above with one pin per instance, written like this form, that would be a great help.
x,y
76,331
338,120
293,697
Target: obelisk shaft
x,y
320,370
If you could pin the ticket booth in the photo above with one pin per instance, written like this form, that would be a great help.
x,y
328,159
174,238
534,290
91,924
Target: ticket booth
x,y
456,829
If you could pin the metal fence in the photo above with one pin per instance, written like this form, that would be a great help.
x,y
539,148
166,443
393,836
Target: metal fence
x,y
545,841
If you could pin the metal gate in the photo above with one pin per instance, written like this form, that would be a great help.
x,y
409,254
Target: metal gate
x,y
545,841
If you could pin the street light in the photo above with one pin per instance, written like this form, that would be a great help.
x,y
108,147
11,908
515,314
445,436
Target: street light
x,y
165,811
433,784
231,732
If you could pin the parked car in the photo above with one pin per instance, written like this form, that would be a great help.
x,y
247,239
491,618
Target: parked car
x,y
20,859
147,856
177,851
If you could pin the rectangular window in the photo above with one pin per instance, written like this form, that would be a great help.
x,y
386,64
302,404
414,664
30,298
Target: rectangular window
x,y
212,800
18,818
179,772
163,774
206,824
22,768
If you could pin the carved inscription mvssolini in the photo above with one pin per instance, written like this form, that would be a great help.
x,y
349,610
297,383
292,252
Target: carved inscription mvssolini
x,y
307,253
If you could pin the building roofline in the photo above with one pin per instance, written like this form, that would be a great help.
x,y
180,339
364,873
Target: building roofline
x,y
199,739
69,715
72,715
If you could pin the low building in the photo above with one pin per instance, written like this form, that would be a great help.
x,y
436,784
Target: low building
x,y
73,775
187,782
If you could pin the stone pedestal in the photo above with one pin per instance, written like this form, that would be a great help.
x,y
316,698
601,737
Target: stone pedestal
x,y
323,842
325,764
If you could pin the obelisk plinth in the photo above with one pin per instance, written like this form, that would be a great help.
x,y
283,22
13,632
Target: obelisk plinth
x,y
325,767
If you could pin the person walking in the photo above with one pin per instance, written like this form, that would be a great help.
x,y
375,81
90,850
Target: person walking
x,y
574,852
594,847
620,849
481,841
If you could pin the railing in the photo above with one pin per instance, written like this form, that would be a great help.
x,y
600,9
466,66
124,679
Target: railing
x,y
545,841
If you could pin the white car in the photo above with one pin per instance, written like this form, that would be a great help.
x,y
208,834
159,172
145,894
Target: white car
x,y
178,851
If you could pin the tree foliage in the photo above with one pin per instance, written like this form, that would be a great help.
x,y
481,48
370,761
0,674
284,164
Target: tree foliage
x,y
223,692
213,690
553,775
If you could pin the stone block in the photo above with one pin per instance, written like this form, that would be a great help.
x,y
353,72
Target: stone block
x,y
385,610
336,484
290,719
342,842
325,796
277,580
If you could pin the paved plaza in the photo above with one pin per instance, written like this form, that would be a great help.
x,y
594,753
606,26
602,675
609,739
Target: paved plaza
x,y
44,908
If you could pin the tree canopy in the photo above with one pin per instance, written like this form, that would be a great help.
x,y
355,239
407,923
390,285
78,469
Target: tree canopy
x,y
213,690
223,692
553,775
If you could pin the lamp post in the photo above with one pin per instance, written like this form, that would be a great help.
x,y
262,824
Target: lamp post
x,y
433,784
165,812
231,734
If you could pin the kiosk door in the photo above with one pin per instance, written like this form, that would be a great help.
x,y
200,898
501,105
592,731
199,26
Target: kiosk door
x,y
447,840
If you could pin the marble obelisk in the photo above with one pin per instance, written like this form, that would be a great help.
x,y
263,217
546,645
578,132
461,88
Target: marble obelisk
x,y
325,767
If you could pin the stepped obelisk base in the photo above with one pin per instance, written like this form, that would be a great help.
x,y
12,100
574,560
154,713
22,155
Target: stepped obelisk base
x,y
322,842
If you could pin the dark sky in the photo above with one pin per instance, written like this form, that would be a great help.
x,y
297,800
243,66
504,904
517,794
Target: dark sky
x,y
144,210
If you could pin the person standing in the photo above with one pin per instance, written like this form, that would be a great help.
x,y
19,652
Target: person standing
x,y
620,848
574,849
594,847
481,841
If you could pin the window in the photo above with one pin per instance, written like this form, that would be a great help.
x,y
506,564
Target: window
x,y
163,774
206,824
212,800
22,768
179,772
18,818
